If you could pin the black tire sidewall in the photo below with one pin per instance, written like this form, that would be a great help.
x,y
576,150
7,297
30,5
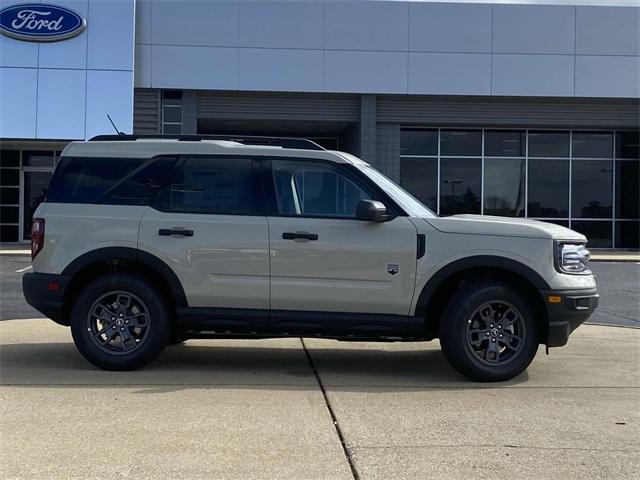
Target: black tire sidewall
x,y
159,325
453,332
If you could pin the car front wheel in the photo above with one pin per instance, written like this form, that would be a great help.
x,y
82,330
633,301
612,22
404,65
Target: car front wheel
x,y
120,322
488,332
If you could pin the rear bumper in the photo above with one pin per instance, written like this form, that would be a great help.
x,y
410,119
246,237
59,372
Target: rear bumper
x,y
45,292
573,309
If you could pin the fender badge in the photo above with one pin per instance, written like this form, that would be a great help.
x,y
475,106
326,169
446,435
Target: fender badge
x,y
393,268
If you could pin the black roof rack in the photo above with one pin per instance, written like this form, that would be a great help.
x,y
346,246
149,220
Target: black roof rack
x,y
284,142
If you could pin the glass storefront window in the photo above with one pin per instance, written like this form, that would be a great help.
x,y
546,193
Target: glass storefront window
x,y
628,145
37,159
461,143
460,185
592,145
504,143
419,142
627,189
627,235
548,184
10,158
419,176
549,144
599,233
504,187
591,184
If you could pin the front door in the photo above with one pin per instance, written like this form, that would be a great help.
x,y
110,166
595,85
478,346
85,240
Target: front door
x,y
327,267
203,225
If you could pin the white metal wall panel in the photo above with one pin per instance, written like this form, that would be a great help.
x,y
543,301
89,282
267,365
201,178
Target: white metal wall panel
x,y
607,31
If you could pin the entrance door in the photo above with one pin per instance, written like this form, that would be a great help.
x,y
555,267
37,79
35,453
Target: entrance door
x,y
325,260
34,186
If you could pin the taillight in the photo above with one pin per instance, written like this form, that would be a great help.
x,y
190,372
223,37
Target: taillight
x,y
37,236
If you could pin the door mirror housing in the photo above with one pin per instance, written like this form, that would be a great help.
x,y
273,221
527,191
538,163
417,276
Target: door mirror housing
x,y
372,211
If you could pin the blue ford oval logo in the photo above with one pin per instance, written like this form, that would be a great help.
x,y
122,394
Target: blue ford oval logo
x,y
39,22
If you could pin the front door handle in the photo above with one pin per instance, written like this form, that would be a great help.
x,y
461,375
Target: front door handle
x,y
167,232
299,235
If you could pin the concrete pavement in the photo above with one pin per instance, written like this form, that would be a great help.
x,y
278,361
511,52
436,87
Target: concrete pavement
x,y
263,409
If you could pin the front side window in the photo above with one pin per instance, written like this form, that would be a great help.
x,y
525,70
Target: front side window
x,y
314,189
210,185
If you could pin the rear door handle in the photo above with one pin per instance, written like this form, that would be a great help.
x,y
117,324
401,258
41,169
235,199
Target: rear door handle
x,y
167,232
299,235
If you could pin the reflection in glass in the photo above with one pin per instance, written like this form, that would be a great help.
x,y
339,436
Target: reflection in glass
x,y
591,188
460,180
548,144
504,187
628,145
504,143
627,189
419,176
35,188
461,142
419,142
627,235
37,159
548,183
592,145
598,233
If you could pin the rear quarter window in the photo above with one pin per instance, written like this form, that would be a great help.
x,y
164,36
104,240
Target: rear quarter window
x,y
114,181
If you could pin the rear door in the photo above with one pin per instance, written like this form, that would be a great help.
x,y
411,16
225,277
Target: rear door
x,y
328,268
203,224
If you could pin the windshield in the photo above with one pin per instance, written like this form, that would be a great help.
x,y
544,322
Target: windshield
x,y
408,202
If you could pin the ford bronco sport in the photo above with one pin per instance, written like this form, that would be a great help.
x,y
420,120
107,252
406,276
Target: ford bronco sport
x,y
142,242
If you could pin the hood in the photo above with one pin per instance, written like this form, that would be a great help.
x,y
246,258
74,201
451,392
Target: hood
x,y
503,226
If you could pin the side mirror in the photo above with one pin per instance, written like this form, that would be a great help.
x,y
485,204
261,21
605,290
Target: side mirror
x,y
371,211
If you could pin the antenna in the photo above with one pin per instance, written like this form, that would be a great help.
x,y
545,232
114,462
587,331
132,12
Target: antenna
x,y
114,126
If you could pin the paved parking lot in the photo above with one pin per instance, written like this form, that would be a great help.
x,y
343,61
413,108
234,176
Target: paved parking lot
x,y
266,409
320,409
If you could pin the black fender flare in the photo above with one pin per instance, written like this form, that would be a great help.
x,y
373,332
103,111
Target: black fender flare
x,y
127,253
478,261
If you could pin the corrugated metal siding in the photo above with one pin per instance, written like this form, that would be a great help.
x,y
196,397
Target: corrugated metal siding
x,y
146,111
509,112
264,106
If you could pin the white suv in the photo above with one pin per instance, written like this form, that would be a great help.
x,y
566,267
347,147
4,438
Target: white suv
x,y
145,241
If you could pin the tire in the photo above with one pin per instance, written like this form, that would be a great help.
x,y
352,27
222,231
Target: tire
x,y
488,332
116,335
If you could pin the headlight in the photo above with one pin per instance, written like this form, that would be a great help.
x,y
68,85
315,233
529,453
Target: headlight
x,y
572,258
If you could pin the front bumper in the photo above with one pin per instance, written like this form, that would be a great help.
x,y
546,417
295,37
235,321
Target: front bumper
x,y
45,292
567,314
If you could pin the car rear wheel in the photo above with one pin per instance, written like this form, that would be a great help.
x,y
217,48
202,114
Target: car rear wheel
x,y
488,332
120,322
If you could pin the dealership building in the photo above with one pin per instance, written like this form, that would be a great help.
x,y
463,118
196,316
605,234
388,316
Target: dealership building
x,y
523,109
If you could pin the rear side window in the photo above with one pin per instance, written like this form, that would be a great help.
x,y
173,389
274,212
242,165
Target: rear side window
x,y
115,181
210,185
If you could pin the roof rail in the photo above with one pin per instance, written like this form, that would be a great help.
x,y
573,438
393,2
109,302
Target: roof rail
x,y
284,142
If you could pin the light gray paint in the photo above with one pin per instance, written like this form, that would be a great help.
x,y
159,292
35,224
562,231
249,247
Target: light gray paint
x,y
357,25
445,27
365,72
533,29
607,31
280,70
199,67
450,73
599,76
364,47
533,75
280,24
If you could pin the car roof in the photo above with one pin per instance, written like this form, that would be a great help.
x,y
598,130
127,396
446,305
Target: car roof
x,y
151,147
